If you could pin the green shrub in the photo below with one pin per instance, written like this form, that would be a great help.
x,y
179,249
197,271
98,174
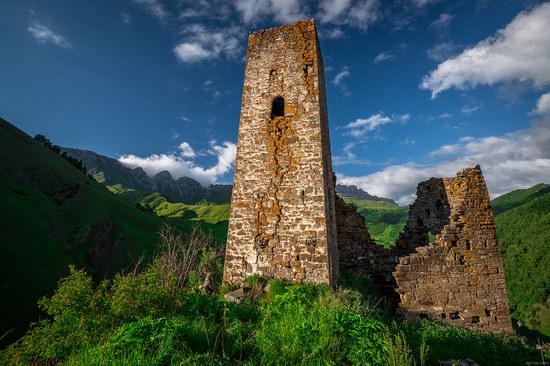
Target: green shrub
x,y
78,316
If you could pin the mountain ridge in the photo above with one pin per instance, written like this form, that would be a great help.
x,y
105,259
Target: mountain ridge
x,y
109,171
352,191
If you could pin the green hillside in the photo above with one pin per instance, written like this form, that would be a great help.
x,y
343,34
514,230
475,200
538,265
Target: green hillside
x,y
523,229
518,198
53,215
211,217
384,220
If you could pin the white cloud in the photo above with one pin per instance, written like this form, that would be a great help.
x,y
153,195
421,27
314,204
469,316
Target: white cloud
x,y
422,3
202,44
344,73
543,104
384,56
361,126
179,166
469,108
443,22
155,8
515,160
355,13
332,33
45,35
348,147
185,119
332,9
407,141
442,51
186,150
191,52
519,52
402,117
349,157
282,11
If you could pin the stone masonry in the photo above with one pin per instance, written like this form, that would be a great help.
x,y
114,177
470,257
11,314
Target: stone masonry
x,y
459,278
282,221
287,222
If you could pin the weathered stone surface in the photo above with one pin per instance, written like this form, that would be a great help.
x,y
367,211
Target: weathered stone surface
x,y
282,221
286,221
236,296
459,278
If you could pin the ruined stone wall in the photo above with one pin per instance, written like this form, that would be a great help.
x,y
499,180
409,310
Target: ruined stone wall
x,y
458,279
282,220
355,244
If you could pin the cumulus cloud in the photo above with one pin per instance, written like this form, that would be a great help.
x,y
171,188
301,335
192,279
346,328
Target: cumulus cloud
x,y
283,11
514,160
543,104
519,52
361,126
186,150
45,35
181,164
356,13
384,56
202,43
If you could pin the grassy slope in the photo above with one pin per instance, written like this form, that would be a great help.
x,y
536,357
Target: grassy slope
x,y
53,215
211,217
385,221
518,198
523,229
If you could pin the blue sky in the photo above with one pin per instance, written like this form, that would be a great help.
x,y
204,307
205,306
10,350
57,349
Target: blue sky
x,y
415,88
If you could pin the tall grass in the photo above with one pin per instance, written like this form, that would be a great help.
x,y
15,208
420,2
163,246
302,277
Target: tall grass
x,y
152,318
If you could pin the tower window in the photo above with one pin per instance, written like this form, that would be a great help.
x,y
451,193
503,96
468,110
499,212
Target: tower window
x,y
278,107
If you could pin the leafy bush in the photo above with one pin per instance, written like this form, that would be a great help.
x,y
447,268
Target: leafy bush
x,y
152,318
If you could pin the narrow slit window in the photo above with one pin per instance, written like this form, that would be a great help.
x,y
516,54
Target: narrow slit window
x,y
278,107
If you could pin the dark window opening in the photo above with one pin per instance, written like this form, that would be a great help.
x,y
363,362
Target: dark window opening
x,y
475,319
454,315
423,316
487,312
443,315
278,107
453,243
467,245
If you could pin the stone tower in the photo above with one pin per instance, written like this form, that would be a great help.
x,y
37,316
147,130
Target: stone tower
x,y
282,221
